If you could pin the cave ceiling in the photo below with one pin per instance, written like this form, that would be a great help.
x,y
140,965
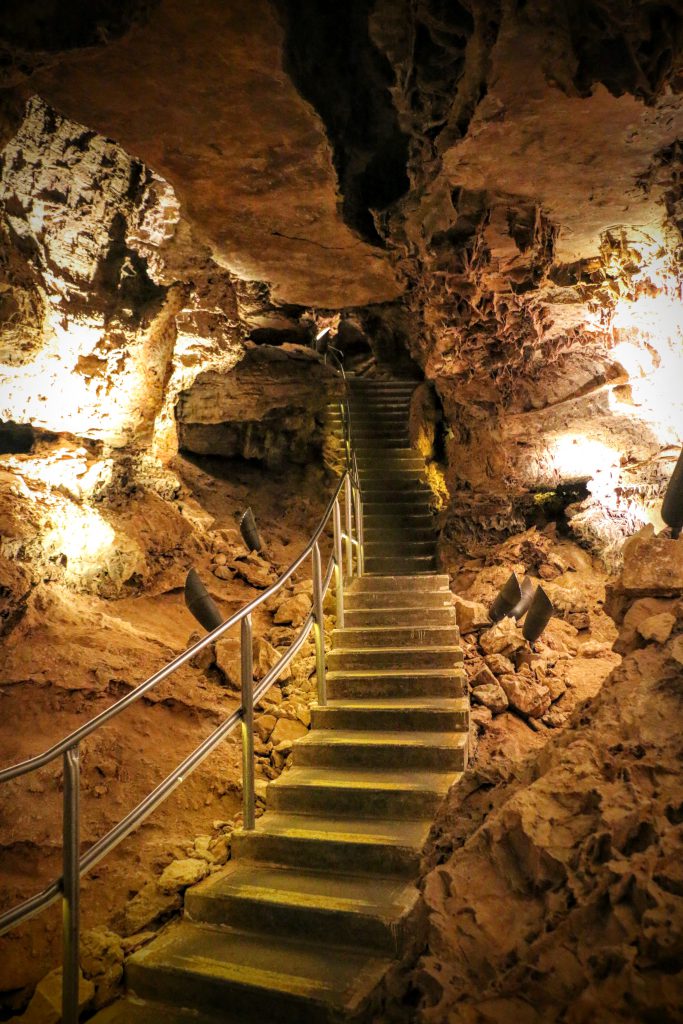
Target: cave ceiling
x,y
497,184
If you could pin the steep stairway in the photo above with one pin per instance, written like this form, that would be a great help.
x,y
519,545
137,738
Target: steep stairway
x,y
319,901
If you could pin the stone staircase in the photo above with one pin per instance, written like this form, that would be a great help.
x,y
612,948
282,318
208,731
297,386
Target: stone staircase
x,y
319,901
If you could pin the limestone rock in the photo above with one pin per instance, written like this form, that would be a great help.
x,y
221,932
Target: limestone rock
x,y
293,610
265,658
676,649
101,955
180,874
46,1003
480,716
287,729
148,906
527,696
264,725
228,660
657,627
484,677
652,565
470,615
503,638
492,696
255,570
499,664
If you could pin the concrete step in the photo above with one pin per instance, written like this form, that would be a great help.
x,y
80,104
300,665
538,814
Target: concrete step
x,y
387,442
402,547
344,792
415,616
372,460
358,911
398,521
392,583
349,844
398,684
437,714
422,600
391,530
397,437
382,564
390,659
370,637
359,748
415,501
132,1011
253,977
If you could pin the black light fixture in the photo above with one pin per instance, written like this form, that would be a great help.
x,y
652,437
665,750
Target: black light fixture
x,y
672,506
528,590
509,595
200,603
539,615
249,532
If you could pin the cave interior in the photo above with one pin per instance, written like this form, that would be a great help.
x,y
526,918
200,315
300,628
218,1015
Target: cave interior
x,y
476,208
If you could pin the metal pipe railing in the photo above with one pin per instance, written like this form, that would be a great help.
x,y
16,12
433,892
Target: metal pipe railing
x,y
74,866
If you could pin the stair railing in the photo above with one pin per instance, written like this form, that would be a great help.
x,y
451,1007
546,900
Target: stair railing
x,y
75,864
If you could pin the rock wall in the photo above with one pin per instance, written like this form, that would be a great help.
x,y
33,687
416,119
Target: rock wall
x,y
555,891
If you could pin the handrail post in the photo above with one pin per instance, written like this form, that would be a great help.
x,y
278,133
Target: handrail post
x,y
349,527
71,885
247,680
338,567
319,626
359,531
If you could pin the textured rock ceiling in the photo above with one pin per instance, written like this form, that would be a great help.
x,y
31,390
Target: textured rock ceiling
x,y
496,185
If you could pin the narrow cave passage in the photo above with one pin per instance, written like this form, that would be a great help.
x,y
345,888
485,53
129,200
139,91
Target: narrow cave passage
x,y
424,257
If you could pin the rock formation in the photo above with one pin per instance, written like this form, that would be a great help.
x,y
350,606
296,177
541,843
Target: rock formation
x,y
483,196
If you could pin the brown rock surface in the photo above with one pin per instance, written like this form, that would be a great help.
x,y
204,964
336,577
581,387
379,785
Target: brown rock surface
x,y
247,156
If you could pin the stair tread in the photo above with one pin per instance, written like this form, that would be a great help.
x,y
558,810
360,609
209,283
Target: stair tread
x,y
385,832
381,738
367,778
370,673
327,890
255,960
133,1011
399,704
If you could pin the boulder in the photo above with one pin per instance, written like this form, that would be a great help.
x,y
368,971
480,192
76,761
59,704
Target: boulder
x,y
150,905
676,649
652,565
499,664
293,610
101,953
483,677
492,696
182,873
470,615
657,627
46,1004
526,695
264,725
265,657
503,638
480,716
287,729
255,570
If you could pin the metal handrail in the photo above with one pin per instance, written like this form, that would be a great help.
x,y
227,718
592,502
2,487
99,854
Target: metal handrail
x,y
73,864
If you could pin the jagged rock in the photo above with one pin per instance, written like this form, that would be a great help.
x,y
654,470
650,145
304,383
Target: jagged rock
x,y
46,1003
483,677
255,570
287,729
265,658
675,649
652,565
293,610
264,725
180,874
499,664
470,615
492,696
526,696
657,627
101,956
480,716
503,638
150,905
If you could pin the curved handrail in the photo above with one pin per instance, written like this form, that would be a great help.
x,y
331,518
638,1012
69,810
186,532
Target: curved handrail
x,y
59,748
74,865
